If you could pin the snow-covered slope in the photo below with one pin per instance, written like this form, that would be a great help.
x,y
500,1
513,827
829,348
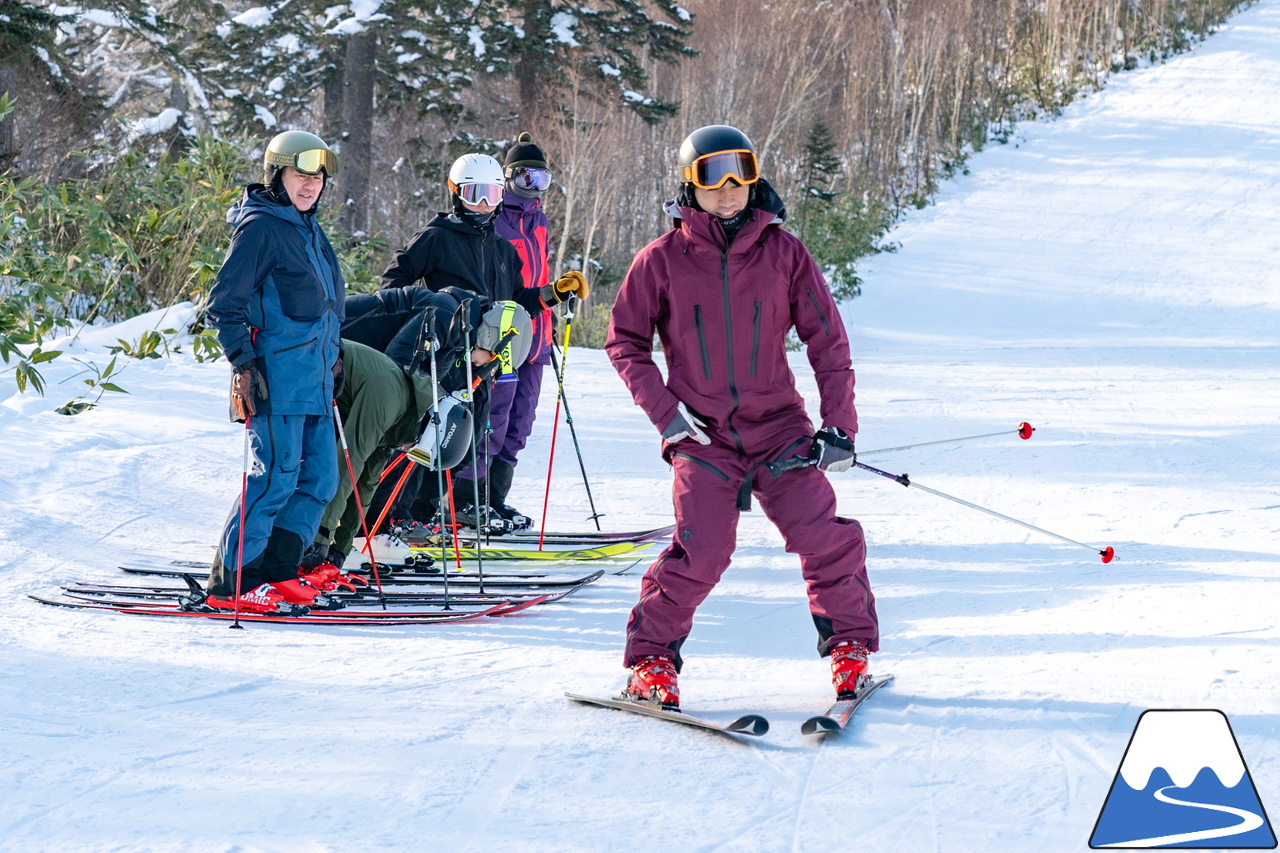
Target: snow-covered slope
x,y
1109,277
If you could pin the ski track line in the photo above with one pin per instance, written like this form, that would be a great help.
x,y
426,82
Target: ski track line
x,y
1249,821
79,795
818,750
481,806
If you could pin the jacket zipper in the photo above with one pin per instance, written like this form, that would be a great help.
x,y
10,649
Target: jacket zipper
x,y
728,331
702,341
295,346
821,316
755,341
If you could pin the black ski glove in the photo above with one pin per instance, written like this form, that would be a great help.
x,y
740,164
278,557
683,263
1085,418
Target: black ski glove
x,y
246,382
316,555
833,450
339,377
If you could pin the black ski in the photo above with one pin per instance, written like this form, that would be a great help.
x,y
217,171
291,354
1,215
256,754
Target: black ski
x,y
366,595
839,714
463,580
750,724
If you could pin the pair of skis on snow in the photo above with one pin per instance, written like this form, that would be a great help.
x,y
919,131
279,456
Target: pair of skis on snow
x,y
834,720
468,596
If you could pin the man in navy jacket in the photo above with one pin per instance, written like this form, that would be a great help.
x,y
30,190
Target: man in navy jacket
x,y
277,307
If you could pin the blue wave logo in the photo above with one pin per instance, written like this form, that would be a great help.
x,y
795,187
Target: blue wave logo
x,y
1183,783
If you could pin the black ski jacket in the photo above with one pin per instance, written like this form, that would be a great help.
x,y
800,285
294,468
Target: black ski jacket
x,y
451,253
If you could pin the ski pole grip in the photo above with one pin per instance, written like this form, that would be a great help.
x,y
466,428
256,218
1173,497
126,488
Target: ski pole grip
x,y
779,468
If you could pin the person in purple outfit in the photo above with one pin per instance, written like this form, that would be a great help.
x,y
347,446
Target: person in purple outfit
x,y
523,222
722,289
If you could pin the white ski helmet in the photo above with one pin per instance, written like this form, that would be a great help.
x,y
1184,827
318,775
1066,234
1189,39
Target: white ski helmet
x,y
475,169
452,430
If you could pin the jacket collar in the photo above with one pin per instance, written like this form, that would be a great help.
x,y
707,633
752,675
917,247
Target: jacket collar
x,y
518,204
255,199
701,228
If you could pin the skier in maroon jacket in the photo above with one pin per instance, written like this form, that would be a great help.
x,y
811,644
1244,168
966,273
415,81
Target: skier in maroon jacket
x,y
722,289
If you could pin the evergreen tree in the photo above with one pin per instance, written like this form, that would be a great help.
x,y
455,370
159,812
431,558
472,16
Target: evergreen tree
x,y
837,227
123,56
272,66
27,41
606,40
818,173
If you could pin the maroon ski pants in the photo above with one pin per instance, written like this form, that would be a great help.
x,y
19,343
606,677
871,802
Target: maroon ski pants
x,y
801,503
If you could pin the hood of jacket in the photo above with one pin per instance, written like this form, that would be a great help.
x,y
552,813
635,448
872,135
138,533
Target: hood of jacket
x,y
698,226
255,199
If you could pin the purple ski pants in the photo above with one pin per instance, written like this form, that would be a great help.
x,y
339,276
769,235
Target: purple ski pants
x,y
801,503
512,409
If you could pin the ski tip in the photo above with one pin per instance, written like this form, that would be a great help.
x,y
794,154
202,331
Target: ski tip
x,y
1108,554
1024,430
819,725
751,724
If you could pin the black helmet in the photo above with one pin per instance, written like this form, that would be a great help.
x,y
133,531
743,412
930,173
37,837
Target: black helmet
x,y
711,156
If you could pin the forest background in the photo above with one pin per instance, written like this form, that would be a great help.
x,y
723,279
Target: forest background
x,y
127,128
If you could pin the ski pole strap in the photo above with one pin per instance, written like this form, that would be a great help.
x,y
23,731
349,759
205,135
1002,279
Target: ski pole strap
x,y
491,366
504,350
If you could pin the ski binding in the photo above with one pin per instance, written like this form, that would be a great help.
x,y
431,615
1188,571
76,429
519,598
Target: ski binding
x,y
839,714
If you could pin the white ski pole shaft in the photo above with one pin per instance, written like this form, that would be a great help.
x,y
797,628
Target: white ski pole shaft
x,y
1108,553
1023,432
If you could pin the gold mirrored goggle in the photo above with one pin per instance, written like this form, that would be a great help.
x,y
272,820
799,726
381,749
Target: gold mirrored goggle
x,y
311,161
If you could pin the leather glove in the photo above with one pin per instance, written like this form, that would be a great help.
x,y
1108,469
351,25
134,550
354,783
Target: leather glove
x,y
246,381
833,450
572,283
685,425
339,377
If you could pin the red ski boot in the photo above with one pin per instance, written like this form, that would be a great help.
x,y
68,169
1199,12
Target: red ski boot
x,y
328,577
653,679
849,667
293,598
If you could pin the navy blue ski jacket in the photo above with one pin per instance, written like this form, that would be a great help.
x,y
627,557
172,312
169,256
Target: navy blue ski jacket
x,y
280,279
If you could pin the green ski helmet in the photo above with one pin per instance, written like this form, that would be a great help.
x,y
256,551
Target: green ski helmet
x,y
304,151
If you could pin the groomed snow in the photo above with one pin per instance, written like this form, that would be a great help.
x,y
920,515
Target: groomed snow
x,y
1109,277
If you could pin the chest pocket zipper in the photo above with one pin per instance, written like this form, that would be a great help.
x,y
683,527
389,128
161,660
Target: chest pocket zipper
x,y
702,341
821,316
755,340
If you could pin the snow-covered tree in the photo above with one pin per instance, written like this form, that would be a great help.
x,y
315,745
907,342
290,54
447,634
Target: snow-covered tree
x,y
299,59
609,40
27,38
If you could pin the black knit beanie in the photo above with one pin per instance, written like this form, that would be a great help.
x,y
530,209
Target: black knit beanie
x,y
526,153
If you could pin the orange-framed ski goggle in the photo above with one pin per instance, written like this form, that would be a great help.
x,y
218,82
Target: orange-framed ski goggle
x,y
712,171
490,194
